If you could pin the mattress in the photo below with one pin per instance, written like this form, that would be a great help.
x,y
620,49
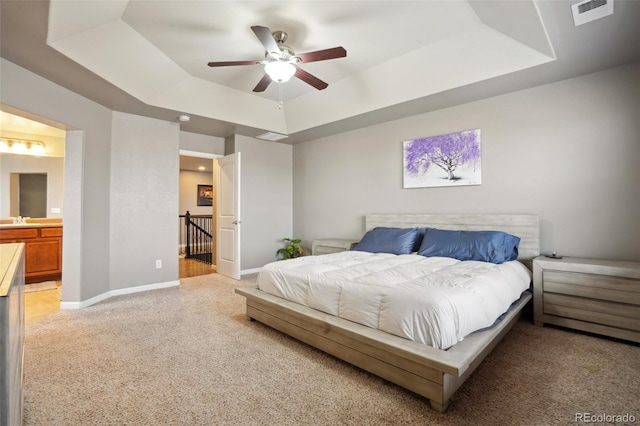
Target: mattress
x,y
436,301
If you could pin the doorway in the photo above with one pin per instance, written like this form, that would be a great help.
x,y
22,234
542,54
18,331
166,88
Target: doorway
x,y
32,186
196,197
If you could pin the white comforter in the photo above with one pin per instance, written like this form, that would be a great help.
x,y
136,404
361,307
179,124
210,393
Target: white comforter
x,y
432,300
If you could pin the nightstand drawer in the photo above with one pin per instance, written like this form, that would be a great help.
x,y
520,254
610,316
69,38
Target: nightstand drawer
x,y
591,310
624,290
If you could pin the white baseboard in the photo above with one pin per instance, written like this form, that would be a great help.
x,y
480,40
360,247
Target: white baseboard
x,y
118,292
250,271
85,303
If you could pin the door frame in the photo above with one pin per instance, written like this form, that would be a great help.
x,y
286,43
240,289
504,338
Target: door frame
x,y
213,158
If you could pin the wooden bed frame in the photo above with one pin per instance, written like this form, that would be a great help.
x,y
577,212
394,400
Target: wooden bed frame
x,y
433,373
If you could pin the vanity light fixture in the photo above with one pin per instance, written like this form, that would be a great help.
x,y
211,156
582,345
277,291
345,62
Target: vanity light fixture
x,y
19,146
37,148
22,146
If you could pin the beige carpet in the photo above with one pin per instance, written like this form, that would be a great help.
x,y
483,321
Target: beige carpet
x,y
189,356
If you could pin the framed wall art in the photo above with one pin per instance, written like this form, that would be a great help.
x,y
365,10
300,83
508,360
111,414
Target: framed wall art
x,y
205,195
445,160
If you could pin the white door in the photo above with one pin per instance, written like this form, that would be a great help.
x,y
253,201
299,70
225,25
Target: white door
x,y
227,177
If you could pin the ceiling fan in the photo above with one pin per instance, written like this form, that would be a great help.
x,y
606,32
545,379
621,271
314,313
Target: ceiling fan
x,y
281,62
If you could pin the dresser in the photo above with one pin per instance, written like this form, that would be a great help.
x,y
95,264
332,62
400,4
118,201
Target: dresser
x,y
597,296
11,333
331,245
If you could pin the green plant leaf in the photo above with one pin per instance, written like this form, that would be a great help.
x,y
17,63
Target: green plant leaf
x,y
292,248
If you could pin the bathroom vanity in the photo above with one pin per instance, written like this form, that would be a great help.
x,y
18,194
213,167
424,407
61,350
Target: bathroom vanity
x,y
43,248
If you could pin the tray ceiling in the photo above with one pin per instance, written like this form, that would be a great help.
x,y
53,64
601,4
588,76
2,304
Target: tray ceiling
x,y
397,51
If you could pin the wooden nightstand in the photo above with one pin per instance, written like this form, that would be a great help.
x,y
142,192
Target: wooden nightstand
x,y
598,296
331,245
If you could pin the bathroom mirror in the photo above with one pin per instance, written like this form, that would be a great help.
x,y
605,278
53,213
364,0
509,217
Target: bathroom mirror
x,y
31,186
31,195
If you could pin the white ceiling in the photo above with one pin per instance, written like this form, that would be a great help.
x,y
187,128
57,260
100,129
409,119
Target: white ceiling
x,y
17,124
404,57
192,36
397,51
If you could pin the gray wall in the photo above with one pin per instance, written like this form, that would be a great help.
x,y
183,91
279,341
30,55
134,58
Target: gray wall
x,y
72,220
144,201
94,216
201,143
568,152
266,204
87,162
117,165
189,181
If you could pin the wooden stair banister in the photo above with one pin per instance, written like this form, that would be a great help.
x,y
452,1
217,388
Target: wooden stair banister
x,y
198,237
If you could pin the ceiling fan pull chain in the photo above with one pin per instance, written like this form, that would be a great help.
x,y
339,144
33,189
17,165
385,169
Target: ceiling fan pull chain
x,y
281,95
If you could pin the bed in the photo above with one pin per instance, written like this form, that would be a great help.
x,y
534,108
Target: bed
x,y
426,370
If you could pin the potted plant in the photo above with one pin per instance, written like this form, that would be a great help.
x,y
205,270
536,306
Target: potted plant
x,y
291,249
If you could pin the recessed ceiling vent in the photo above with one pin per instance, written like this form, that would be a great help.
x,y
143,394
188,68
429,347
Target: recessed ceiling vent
x,y
270,136
591,10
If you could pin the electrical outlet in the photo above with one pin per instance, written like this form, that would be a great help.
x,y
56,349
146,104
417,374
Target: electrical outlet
x,y
158,264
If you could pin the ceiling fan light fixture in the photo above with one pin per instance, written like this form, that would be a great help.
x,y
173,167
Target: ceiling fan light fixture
x,y
279,71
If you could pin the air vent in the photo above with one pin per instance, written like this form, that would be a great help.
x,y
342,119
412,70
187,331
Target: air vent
x,y
270,136
591,10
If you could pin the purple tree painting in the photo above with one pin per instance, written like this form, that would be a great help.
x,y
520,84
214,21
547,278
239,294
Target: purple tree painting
x,y
456,158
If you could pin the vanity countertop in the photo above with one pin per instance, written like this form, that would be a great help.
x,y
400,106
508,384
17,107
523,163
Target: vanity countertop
x,y
8,255
31,225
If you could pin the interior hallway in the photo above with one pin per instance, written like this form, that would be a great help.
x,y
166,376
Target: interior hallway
x,y
39,304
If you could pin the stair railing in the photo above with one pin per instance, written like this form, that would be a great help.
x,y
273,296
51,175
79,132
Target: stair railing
x,y
198,237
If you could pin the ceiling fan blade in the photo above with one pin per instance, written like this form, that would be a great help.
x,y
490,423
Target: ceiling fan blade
x,y
232,63
266,38
310,79
262,84
323,55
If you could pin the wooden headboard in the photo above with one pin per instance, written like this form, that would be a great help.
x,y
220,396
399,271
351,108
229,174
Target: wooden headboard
x,y
527,227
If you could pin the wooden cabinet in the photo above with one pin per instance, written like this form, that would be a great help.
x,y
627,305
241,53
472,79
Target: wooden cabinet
x,y
11,333
598,296
331,245
43,250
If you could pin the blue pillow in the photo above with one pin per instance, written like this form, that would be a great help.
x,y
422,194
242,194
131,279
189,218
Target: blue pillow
x,y
487,246
388,240
419,236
